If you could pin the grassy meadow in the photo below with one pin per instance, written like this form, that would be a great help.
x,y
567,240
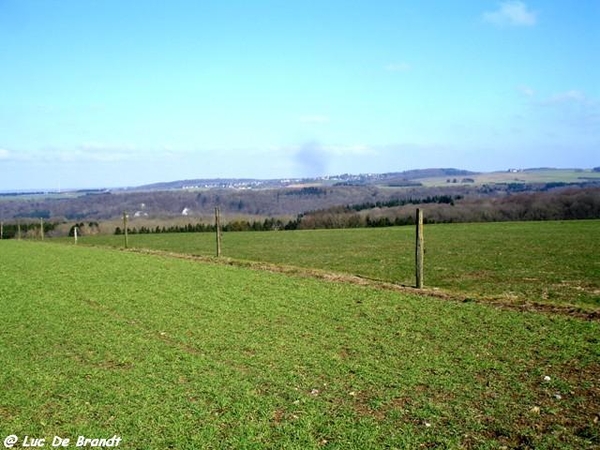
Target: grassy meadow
x,y
524,176
553,263
174,353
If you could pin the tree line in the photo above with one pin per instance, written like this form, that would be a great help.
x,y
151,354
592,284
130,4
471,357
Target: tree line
x,y
447,199
268,224
566,204
562,204
14,230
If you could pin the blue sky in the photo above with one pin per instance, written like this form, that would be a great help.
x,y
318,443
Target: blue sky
x,y
104,93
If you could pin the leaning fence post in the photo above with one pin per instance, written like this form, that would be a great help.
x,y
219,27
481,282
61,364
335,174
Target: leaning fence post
x,y
419,250
218,230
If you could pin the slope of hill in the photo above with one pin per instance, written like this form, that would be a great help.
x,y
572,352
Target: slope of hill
x,y
284,197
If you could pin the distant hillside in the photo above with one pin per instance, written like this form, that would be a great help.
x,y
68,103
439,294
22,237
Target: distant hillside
x,y
286,197
207,183
409,178
418,177
433,173
405,178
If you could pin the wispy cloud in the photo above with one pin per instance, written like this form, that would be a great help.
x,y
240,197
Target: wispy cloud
x,y
106,152
315,118
94,152
573,107
511,13
571,96
526,91
11,155
81,153
398,67
104,147
350,150
79,156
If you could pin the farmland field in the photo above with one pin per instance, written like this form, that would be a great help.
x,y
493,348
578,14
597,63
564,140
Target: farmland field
x,y
525,176
173,353
542,262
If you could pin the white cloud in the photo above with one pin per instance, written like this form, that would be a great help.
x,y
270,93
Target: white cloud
x,y
398,67
571,96
314,119
103,147
73,156
6,155
82,153
526,91
100,152
511,13
350,150
94,152
571,108
103,152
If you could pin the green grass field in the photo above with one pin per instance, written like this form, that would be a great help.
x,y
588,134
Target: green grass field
x,y
173,353
554,263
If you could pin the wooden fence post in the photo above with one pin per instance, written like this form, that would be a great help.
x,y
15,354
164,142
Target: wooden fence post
x,y
419,250
1,230
218,230
19,231
125,217
75,234
42,228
